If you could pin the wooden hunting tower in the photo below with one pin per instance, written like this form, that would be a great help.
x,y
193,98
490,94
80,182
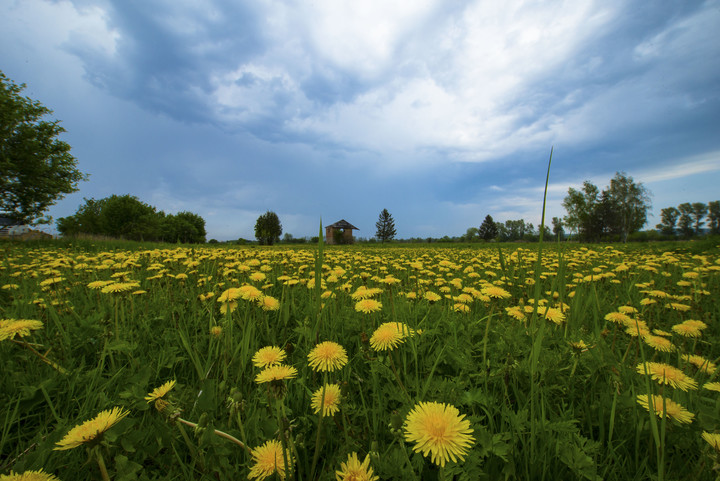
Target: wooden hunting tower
x,y
339,233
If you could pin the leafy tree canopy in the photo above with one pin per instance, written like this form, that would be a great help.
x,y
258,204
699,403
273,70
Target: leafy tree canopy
x,y
126,217
36,169
614,213
268,228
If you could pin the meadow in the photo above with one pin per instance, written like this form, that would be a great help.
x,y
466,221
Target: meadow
x,y
507,361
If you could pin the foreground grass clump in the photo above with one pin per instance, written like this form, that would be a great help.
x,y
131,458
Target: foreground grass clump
x,y
360,363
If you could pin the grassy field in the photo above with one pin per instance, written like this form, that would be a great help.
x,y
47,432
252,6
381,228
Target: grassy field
x,y
498,362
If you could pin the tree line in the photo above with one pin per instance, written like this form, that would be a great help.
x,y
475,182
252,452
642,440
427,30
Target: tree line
x,y
686,220
126,217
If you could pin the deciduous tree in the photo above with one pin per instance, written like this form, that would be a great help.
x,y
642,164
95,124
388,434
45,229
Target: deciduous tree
x,y
714,217
36,168
685,222
668,219
268,228
699,210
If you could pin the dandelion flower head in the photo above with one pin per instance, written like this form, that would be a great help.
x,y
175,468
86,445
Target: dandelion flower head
x,y
327,356
159,393
713,440
10,328
666,374
439,430
662,406
354,470
91,429
278,372
269,459
330,403
268,356
29,476
368,306
389,335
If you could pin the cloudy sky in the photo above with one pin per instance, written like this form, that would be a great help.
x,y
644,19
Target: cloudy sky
x,y
441,111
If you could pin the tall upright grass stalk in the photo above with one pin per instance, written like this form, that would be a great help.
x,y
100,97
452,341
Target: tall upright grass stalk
x,y
319,259
537,332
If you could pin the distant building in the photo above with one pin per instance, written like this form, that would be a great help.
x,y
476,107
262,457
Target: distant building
x,y
340,232
10,230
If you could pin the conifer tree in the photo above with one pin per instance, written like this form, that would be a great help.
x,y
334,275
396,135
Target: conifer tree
x,y
385,226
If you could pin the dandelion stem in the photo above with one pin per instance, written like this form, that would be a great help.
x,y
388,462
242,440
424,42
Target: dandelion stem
x,y
219,433
319,429
52,364
101,464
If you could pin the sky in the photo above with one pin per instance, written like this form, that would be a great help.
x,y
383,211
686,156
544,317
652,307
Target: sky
x,y
440,111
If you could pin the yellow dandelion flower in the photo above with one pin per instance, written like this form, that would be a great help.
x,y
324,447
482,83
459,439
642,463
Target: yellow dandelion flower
x,y
551,314
250,293
269,303
10,328
368,306
51,281
10,287
160,392
627,310
117,287
712,386
157,395
29,476
257,276
330,403
659,343
666,374
495,292
228,307
268,356
665,407
354,470
389,335
647,301
268,460
713,439
278,372
695,323
327,356
431,296
687,330
660,332
700,362
637,328
618,317
516,312
92,429
460,307
677,306
229,295
439,430
216,331
579,346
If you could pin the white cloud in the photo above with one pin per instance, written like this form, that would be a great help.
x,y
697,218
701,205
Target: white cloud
x,y
682,167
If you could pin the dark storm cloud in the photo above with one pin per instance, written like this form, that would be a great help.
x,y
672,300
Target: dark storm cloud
x,y
164,56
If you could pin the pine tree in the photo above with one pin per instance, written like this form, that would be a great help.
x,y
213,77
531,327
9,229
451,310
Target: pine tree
x,y
385,226
488,230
